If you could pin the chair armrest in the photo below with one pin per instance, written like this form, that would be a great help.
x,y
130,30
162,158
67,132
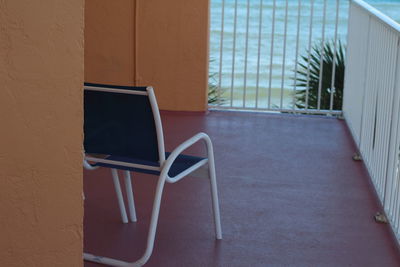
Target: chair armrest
x,y
88,166
179,149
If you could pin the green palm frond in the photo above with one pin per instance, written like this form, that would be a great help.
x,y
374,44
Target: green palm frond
x,y
214,92
309,68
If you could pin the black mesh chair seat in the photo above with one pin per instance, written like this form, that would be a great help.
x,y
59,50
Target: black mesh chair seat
x,y
181,163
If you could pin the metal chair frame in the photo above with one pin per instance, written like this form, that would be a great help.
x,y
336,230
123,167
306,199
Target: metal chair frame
x,y
164,167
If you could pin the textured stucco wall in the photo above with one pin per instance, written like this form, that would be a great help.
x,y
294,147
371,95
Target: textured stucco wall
x,y
169,39
41,73
109,41
172,51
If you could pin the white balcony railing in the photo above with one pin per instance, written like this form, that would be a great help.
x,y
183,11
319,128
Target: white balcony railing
x,y
372,100
254,47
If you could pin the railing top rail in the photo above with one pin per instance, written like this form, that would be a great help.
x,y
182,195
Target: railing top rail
x,y
378,14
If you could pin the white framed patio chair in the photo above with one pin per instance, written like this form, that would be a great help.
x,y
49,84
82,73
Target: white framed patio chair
x,y
123,131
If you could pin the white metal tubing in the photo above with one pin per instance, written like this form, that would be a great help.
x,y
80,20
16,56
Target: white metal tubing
x,y
112,90
120,198
388,76
214,191
366,112
377,14
392,204
157,200
211,165
297,54
89,167
321,66
380,130
246,53
333,89
396,205
221,52
157,121
177,151
373,94
380,127
154,218
187,171
309,53
129,194
284,54
390,187
296,111
123,164
108,261
150,237
271,61
387,107
234,51
259,52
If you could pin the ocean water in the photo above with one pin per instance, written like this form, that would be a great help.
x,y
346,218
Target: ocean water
x,y
244,80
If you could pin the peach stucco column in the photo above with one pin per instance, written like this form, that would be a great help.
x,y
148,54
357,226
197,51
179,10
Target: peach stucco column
x,y
109,41
172,51
41,75
150,42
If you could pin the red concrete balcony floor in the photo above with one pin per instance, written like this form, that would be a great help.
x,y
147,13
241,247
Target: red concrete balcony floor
x,y
290,195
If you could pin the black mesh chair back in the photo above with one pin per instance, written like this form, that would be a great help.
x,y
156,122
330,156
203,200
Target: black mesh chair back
x,y
119,124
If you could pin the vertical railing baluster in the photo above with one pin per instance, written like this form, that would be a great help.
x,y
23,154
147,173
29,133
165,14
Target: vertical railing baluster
x,y
297,54
259,51
385,109
221,52
246,54
284,53
234,51
272,54
309,54
322,54
333,79
395,194
381,131
396,215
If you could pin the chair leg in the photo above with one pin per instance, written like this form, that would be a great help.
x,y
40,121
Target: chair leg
x,y
150,237
154,220
214,195
120,197
129,193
